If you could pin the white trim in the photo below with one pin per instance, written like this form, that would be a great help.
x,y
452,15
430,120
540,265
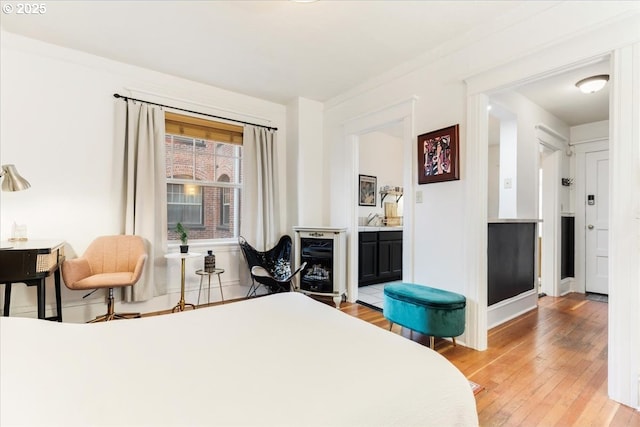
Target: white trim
x,y
371,119
400,112
566,286
551,235
624,227
502,312
546,129
475,220
588,141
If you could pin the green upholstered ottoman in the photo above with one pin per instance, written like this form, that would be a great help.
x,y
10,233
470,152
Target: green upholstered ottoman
x,y
431,311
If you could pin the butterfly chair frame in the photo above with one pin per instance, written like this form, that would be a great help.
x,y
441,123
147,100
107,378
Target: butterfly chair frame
x,y
271,268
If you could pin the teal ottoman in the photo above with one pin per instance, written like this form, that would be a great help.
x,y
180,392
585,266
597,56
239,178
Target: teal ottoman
x,y
430,311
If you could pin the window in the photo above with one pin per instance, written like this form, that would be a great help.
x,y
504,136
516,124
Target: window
x,y
184,204
225,204
204,177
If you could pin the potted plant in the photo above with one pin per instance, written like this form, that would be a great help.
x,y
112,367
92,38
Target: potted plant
x,y
184,238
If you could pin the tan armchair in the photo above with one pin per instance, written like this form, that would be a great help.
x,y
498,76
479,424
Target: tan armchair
x,y
108,262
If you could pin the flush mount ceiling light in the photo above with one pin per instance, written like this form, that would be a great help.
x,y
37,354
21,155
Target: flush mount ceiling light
x,y
593,84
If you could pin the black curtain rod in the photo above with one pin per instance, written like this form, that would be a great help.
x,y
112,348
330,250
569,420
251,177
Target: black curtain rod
x,y
115,95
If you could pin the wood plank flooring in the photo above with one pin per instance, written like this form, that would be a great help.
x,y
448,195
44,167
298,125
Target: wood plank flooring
x,y
547,367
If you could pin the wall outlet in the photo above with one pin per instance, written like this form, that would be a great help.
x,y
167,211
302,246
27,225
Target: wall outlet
x,y
418,196
508,183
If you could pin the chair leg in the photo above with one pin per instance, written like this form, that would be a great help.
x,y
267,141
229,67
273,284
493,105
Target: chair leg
x,y
252,289
200,289
111,314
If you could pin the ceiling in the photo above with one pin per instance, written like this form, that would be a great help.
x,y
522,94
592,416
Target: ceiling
x,y
280,50
559,95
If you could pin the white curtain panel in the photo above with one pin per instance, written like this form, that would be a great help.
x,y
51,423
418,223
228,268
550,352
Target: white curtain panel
x,y
140,136
260,222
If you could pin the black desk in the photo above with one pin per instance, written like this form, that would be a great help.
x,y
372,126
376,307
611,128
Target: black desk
x,y
31,262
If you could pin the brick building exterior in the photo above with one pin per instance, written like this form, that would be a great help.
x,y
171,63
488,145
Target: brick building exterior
x,y
203,187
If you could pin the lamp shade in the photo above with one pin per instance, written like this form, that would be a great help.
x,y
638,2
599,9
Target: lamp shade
x,y
593,84
13,181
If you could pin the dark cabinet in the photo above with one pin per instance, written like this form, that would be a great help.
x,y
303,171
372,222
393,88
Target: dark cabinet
x,y
367,257
510,260
567,251
379,257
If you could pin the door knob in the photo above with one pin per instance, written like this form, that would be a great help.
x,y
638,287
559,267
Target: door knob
x,y
590,227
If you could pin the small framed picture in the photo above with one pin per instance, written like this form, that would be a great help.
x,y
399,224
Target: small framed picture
x,y
367,193
438,156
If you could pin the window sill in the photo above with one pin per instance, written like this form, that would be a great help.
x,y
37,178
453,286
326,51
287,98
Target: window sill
x,y
204,245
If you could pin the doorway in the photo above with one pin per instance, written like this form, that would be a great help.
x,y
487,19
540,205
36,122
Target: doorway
x,y
549,229
380,156
400,118
623,343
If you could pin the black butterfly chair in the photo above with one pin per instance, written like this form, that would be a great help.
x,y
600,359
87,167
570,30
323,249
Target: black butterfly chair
x,y
272,268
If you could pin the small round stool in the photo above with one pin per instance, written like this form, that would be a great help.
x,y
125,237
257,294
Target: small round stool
x,y
203,273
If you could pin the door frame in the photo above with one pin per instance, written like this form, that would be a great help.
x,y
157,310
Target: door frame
x,y
550,225
398,113
551,209
624,205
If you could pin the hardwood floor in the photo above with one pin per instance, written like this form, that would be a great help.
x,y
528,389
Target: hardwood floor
x,y
545,368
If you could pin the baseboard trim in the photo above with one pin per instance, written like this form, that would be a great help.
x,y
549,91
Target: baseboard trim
x,y
511,308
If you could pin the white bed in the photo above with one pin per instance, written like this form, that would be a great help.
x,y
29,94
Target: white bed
x,y
281,360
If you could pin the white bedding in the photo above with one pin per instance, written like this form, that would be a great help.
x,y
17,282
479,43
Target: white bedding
x,y
281,360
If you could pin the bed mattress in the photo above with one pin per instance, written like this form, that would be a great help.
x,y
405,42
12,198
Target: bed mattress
x,y
280,360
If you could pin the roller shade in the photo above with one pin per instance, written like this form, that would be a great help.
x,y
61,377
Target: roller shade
x,y
195,127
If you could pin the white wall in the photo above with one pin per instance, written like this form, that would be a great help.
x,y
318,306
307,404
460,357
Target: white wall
x,y
493,181
589,132
305,162
380,155
57,115
508,180
528,116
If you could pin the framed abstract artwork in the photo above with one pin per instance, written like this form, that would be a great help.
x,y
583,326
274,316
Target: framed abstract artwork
x,y
367,186
438,156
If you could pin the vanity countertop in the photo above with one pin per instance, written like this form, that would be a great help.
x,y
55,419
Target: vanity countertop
x,y
364,228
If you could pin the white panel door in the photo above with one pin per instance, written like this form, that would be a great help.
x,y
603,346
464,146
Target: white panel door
x,y
597,222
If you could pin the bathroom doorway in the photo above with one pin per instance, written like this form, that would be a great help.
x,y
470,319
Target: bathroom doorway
x,y
380,231
396,120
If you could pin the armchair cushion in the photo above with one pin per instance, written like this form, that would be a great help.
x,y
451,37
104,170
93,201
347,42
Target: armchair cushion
x,y
75,270
109,261
105,280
